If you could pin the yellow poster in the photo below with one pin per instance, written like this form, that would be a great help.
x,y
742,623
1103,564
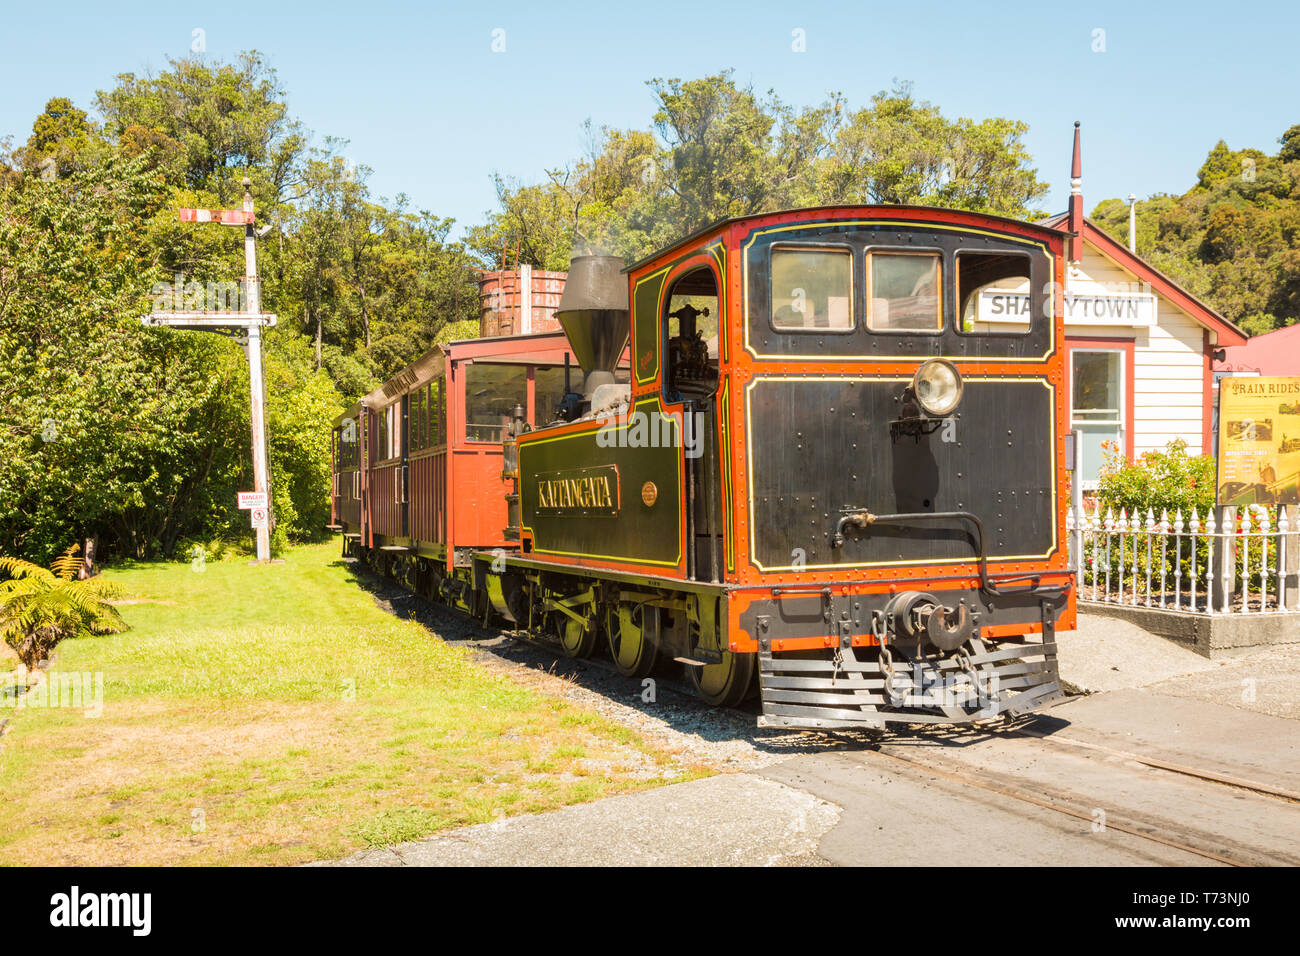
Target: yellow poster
x,y
1259,441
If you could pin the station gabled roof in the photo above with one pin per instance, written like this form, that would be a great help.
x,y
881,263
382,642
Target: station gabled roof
x,y
1228,333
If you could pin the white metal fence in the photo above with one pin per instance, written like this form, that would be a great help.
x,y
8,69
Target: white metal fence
x,y
1222,561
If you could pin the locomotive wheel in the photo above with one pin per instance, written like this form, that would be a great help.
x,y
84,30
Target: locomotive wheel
x,y
575,640
725,684
634,653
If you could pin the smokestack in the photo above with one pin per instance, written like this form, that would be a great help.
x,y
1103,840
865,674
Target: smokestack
x,y
594,313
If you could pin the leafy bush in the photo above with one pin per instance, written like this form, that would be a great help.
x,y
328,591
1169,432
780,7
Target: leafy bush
x,y
1169,480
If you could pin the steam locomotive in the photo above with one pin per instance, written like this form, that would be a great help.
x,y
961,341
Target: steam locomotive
x,y
794,457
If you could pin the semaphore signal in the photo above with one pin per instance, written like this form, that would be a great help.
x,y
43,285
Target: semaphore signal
x,y
250,321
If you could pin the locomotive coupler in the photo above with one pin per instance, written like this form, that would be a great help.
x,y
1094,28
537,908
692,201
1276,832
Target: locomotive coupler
x,y
921,616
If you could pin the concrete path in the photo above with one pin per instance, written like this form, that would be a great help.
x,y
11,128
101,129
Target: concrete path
x,y
1213,736
1060,789
900,815
1106,653
731,820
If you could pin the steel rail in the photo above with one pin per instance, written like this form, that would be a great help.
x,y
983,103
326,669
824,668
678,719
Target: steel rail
x,y
1211,776
971,779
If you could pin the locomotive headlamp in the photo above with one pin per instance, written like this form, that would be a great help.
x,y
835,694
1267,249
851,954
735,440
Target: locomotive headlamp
x,y
938,387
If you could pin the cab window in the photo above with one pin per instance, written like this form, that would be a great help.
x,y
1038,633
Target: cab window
x,y
904,292
548,390
690,326
812,290
993,292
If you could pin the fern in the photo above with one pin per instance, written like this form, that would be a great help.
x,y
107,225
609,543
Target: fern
x,y
40,607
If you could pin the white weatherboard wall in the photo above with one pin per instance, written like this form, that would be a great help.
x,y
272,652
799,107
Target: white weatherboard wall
x,y
1168,359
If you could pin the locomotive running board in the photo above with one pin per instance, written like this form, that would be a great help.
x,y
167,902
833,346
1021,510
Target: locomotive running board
x,y
852,692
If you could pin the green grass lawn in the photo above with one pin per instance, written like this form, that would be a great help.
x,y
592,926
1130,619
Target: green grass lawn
x,y
276,715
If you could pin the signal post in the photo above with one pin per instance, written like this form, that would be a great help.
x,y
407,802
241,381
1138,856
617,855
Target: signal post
x,y
249,321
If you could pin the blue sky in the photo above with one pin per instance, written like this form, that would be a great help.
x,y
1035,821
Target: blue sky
x,y
424,101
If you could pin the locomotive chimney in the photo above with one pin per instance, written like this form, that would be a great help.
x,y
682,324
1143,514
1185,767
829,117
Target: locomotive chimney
x,y
594,313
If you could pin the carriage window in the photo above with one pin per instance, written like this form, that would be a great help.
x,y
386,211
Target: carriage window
x,y
993,292
390,434
491,394
417,419
438,394
348,456
426,417
904,292
812,289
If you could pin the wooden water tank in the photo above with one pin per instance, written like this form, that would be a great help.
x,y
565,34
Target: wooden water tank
x,y
519,301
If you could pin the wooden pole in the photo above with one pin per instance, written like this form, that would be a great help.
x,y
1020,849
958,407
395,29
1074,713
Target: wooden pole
x,y
257,408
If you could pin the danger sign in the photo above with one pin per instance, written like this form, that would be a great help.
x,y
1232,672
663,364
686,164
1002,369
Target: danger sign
x,y
259,517
251,499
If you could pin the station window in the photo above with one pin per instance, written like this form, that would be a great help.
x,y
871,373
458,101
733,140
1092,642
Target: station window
x,y
1097,408
491,394
812,289
904,292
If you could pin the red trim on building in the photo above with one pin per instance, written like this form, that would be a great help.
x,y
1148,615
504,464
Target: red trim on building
x,y
1094,235
1128,348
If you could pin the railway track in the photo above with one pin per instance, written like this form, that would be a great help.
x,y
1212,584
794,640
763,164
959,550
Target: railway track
x,y
898,749
1212,776
1154,829
1132,807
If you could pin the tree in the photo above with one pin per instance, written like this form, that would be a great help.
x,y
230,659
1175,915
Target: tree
x,y
63,140
229,119
40,608
1230,239
1290,141
900,150
716,150
138,435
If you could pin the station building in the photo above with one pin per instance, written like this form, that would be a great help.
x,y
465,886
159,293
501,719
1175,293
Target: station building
x,y
1140,348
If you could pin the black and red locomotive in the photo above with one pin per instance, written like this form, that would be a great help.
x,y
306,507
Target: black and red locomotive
x,y
790,458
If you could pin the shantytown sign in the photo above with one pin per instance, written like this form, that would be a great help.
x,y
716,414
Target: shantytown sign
x,y
1001,306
